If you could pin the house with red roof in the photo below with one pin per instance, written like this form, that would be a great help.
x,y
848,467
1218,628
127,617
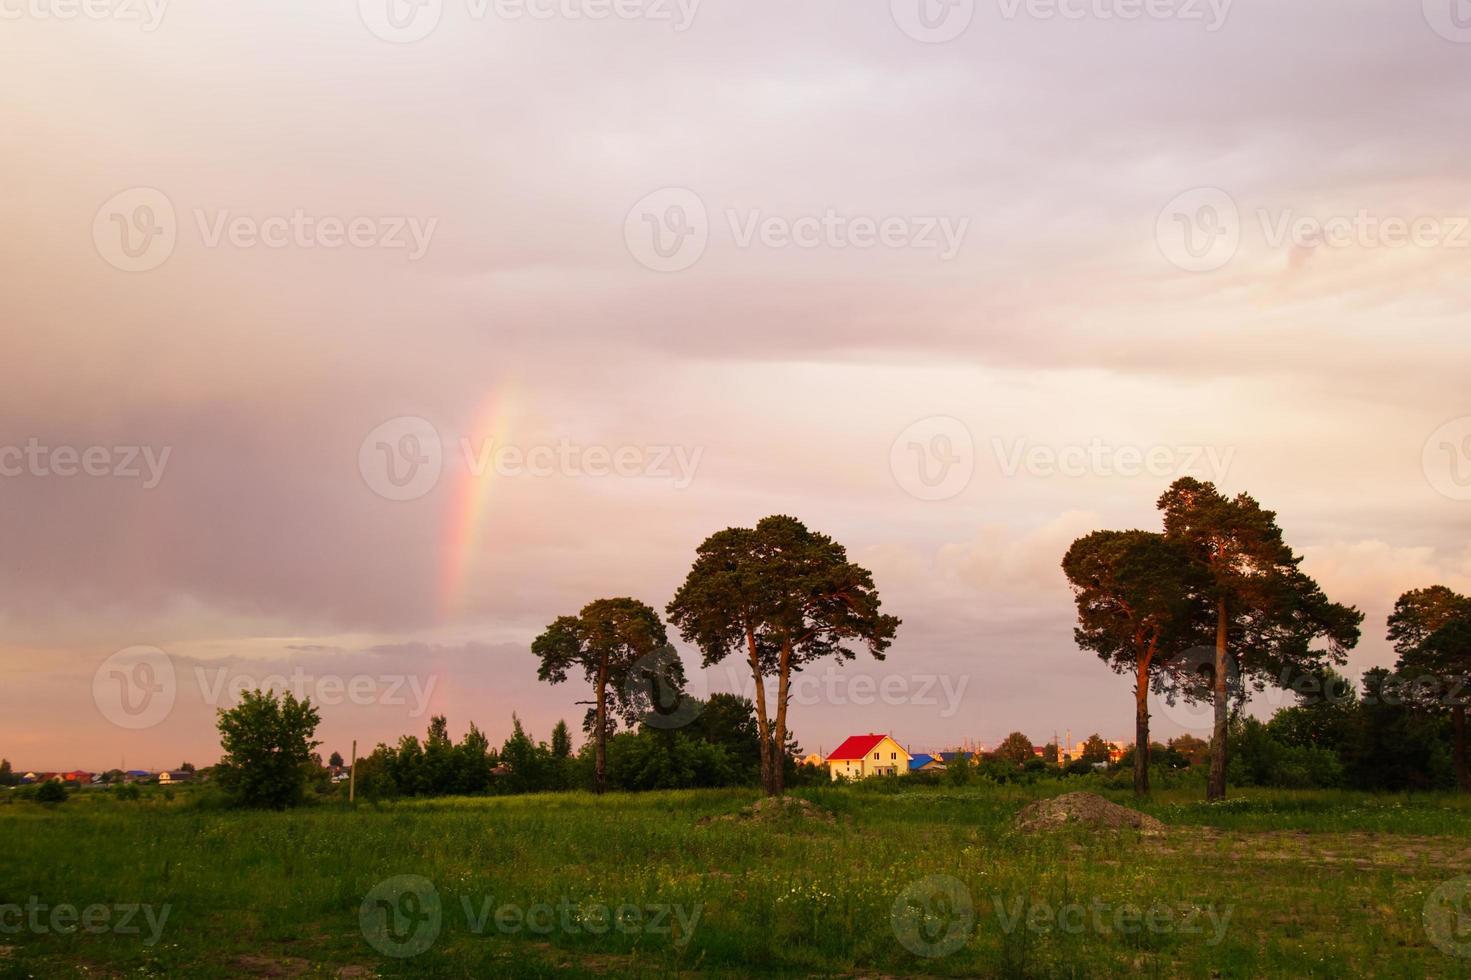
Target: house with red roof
x,y
873,754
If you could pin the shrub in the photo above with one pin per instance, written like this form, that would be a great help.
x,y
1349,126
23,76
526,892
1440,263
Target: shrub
x,y
51,791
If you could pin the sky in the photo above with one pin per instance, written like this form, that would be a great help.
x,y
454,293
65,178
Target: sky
x,y
346,345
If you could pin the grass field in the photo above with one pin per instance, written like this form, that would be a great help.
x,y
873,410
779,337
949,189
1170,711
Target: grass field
x,y
927,881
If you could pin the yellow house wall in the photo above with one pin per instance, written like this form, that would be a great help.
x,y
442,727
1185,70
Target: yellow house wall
x,y
891,755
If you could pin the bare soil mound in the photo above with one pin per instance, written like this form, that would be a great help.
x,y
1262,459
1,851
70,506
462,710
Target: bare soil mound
x,y
772,808
1084,810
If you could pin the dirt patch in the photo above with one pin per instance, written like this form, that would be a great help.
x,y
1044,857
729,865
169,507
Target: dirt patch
x,y
774,808
267,966
1084,810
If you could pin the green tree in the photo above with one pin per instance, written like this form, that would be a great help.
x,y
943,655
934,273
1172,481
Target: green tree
x,y
1015,748
1141,604
615,642
335,760
7,776
267,743
561,741
1268,612
785,597
958,771
1431,631
1095,749
729,721
51,791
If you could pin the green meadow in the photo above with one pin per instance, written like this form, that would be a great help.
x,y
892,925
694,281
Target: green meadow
x,y
907,880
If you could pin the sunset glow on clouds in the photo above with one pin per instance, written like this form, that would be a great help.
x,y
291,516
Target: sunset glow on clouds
x,y
358,231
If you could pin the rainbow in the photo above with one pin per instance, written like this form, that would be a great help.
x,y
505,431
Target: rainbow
x,y
470,503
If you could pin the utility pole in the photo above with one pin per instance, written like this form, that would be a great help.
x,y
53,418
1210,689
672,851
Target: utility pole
x,y
352,774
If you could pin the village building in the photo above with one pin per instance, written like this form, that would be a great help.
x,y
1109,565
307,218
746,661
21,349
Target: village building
x,y
873,754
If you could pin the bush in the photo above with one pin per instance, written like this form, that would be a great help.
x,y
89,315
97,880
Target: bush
x,y
51,791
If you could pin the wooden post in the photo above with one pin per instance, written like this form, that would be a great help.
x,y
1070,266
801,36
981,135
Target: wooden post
x,y
352,774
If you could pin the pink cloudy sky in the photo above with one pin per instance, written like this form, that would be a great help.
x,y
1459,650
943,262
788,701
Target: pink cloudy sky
x,y
1317,375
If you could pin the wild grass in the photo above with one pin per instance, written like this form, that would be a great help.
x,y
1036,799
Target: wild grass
x,y
1308,883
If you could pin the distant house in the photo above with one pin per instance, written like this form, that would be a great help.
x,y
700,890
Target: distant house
x,y
948,757
868,755
813,759
136,775
75,776
924,762
172,776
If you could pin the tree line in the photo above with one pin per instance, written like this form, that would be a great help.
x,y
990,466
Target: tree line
x,y
1216,606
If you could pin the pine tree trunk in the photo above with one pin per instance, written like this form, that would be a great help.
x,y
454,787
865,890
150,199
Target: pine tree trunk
x,y
1458,726
1216,787
779,739
763,723
600,719
1141,730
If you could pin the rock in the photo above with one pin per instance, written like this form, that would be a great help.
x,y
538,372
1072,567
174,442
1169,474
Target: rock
x,y
1084,810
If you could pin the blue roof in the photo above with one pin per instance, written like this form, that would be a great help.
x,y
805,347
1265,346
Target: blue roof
x,y
920,761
